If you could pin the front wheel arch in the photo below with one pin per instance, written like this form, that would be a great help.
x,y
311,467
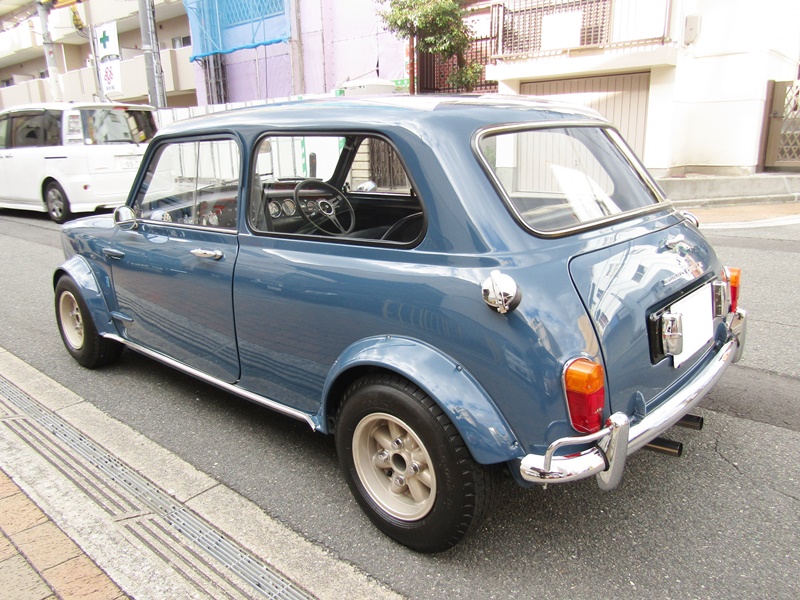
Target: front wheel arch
x,y
78,329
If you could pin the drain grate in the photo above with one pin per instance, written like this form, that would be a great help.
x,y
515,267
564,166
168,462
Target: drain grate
x,y
259,576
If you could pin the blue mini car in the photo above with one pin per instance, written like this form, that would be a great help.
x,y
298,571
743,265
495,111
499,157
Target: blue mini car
x,y
449,285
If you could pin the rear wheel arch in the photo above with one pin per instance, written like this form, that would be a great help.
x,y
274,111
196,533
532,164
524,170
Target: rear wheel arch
x,y
485,431
407,466
55,200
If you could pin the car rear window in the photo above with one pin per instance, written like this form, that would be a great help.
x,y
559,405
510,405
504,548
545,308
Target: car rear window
x,y
557,179
118,125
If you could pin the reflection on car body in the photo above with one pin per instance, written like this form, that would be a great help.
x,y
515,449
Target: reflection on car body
x,y
449,285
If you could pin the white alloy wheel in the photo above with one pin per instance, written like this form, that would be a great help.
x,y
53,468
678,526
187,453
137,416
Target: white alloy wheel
x,y
69,313
394,466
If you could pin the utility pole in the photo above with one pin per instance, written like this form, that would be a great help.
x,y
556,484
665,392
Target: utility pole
x,y
152,56
296,52
49,55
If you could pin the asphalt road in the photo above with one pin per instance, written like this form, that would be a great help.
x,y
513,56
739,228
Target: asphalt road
x,y
721,522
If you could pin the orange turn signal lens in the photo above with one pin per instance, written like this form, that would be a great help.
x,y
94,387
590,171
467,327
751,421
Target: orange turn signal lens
x,y
584,376
584,384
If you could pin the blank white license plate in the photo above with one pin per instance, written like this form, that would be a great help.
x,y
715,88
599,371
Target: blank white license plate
x,y
696,312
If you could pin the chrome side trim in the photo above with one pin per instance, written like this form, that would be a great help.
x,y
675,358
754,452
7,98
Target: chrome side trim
x,y
269,403
620,438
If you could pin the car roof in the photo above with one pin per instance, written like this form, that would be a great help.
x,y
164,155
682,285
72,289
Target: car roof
x,y
73,106
401,110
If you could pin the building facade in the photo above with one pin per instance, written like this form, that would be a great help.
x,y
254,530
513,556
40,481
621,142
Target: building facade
x,y
690,83
23,67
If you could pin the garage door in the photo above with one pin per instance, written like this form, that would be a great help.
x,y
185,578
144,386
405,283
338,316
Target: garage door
x,y
622,99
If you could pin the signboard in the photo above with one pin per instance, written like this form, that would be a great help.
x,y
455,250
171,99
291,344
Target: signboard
x,y
108,57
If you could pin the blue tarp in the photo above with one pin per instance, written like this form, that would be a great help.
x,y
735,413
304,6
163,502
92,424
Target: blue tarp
x,y
224,26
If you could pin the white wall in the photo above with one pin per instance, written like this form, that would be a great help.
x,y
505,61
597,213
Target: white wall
x,y
719,88
707,98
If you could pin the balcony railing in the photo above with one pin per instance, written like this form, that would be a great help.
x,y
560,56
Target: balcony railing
x,y
530,28
79,85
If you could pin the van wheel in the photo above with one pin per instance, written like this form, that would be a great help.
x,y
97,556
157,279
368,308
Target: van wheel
x,y
407,465
56,201
78,330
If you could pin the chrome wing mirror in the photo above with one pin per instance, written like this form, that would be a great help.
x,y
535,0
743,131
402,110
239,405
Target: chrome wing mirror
x,y
125,218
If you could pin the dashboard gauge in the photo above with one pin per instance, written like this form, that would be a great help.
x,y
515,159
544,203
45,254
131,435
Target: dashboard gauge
x,y
289,207
311,206
274,209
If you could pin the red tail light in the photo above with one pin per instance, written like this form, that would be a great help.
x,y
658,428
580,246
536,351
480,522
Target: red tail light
x,y
734,276
584,383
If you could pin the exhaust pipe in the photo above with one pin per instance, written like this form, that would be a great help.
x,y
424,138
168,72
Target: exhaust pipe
x,y
665,446
691,422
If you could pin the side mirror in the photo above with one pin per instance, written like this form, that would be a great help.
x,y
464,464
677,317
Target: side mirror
x,y
125,218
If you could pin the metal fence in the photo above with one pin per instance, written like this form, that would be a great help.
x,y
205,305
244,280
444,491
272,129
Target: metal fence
x,y
529,26
512,29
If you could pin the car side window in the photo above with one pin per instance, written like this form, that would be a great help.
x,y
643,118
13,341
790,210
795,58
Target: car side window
x,y
27,130
348,187
192,183
51,123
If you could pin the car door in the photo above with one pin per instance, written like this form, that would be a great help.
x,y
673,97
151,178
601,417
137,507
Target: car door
x,y
173,271
321,269
24,157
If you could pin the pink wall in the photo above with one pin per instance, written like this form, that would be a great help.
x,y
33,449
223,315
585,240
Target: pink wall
x,y
340,41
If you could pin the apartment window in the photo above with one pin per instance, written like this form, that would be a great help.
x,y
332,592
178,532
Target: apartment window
x,y
6,83
181,42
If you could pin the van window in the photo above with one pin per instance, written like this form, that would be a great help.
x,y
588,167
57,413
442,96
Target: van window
x,y
117,126
3,131
36,129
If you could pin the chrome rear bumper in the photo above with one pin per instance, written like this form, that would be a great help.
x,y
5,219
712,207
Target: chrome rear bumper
x,y
620,437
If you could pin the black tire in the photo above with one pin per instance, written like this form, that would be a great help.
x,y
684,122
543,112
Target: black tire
x,y
443,494
56,202
78,331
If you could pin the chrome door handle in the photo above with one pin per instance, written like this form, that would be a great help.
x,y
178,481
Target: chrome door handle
x,y
113,253
214,254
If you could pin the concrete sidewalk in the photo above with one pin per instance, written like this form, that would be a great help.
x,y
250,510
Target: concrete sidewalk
x,y
91,509
716,214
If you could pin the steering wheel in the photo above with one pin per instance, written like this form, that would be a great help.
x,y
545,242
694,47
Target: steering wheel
x,y
329,210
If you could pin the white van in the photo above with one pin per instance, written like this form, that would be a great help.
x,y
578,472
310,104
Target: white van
x,y
64,158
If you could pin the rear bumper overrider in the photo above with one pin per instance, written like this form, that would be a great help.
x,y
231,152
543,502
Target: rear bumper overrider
x,y
620,437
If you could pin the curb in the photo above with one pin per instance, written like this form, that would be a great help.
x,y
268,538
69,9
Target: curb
x,y
116,543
